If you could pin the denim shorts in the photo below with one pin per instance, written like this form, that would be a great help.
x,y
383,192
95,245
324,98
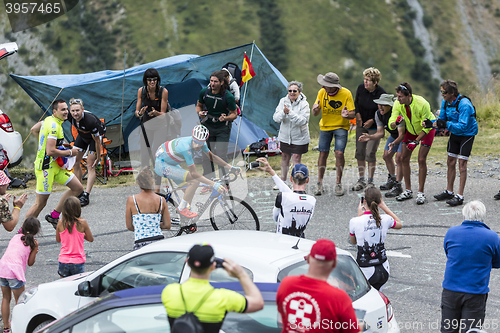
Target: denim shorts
x,y
325,139
70,269
11,283
397,148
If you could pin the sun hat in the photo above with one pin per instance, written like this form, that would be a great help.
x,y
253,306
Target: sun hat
x,y
323,250
4,180
201,256
300,169
329,80
385,99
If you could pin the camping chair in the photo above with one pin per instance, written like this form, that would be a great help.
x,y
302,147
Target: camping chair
x,y
103,174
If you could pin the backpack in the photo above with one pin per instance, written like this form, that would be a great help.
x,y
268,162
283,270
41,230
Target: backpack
x,y
222,99
188,322
259,145
235,72
458,102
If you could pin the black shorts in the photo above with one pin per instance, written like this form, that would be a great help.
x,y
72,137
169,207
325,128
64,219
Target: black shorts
x,y
293,149
83,143
460,146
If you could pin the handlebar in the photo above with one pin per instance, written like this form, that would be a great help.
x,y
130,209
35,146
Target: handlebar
x,y
230,177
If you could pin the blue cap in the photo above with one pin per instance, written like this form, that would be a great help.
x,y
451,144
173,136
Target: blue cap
x,y
300,169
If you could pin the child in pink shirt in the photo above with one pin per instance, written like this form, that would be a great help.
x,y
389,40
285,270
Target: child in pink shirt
x,y
21,251
71,230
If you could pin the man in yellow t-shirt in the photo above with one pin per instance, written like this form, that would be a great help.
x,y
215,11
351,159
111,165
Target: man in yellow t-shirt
x,y
215,303
337,107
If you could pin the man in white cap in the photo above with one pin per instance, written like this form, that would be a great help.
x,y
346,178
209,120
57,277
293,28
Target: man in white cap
x,y
8,219
336,106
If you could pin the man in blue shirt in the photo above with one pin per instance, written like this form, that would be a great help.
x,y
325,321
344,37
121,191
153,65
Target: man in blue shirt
x,y
472,250
459,117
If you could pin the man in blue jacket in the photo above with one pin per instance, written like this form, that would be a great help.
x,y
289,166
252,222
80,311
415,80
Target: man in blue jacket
x,y
458,115
472,250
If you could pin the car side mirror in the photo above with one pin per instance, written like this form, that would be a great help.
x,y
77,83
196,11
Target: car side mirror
x,y
84,289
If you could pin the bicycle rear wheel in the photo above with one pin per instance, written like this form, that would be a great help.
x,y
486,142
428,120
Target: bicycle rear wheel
x,y
175,220
231,213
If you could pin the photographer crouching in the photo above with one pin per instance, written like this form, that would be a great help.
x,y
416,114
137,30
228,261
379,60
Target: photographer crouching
x,y
293,209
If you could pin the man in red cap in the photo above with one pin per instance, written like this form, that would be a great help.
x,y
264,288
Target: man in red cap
x,y
8,219
307,303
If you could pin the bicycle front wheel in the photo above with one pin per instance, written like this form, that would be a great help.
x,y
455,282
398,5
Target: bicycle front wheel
x,y
231,213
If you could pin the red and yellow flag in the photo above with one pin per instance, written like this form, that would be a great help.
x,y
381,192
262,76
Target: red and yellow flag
x,y
247,72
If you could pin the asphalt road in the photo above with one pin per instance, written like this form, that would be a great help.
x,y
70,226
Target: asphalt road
x,y
416,258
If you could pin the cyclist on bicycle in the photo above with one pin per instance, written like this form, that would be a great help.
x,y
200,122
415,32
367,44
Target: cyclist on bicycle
x,y
172,153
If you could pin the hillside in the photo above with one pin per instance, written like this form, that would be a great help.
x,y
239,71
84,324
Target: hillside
x,y
302,39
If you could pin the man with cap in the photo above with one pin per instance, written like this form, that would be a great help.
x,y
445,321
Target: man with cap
x,y
329,308
215,302
393,145
336,106
292,209
7,218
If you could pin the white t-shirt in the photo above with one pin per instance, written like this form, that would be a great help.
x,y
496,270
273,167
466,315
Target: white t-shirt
x,y
292,210
370,239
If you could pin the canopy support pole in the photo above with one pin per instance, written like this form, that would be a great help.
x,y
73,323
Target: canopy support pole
x,y
123,96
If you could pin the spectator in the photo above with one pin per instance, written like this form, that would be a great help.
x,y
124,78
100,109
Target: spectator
x,y
90,131
292,209
47,169
414,110
152,103
472,250
7,218
459,117
71,231
369,231
218,117
337,107
329,306
292,113
232,84
392,147
146,222
177,298
366,108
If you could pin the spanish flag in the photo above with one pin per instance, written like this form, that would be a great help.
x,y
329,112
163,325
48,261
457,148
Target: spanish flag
x,y
247,72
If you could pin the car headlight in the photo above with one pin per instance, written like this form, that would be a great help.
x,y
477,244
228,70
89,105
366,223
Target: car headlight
x,y
27,295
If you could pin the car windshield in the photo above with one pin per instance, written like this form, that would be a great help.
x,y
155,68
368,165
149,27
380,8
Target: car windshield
x,y
346,276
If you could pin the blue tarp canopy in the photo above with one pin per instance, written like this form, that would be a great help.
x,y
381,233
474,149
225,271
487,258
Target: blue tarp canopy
x,y
183,75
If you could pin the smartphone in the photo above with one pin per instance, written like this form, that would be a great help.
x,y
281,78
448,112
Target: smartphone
x,y
362,199
255,164
218,263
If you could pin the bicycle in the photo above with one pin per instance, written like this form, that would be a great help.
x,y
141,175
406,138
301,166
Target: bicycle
x,y
226,211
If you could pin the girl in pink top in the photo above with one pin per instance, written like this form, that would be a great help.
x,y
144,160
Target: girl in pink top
x,y
22,250
71,230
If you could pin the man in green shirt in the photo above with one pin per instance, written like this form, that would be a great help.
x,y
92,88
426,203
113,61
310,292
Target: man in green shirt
x,y
181,298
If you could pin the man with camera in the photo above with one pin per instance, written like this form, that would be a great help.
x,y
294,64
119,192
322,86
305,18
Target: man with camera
x,y
459,117
213,303
292,209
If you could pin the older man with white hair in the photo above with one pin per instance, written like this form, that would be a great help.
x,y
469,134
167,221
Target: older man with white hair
x,y
472,250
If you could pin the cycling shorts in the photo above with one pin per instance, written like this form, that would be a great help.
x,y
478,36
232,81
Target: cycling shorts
x,y
45,178
173,172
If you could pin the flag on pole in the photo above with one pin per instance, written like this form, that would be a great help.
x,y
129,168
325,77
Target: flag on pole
x,y
247,72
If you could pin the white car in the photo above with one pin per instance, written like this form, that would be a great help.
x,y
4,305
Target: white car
x,y
267,257
11,140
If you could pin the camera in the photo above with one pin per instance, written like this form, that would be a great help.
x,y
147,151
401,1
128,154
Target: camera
x,y
255,164
218,263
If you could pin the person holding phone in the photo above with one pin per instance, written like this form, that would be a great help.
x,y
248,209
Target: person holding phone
x,y
368,230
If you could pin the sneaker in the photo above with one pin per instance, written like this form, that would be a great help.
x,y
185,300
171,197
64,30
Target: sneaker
x,y
390,183
396,190
319,189
443,196
360,184
206,190
420,198
84,199
405,195
339,190
370,184
497,196
276,187
455,201
51,220
7,330
187,213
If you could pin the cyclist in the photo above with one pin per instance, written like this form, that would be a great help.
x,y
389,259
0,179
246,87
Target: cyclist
x,y
172,153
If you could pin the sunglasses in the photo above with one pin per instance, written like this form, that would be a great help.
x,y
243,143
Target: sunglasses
x,y
443,92
151,79
292,91
403,87
76,101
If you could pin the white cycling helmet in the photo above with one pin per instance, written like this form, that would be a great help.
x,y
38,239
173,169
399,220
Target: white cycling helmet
x,y
200,133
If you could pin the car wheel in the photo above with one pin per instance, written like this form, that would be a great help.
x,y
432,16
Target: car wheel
x,y
42,324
